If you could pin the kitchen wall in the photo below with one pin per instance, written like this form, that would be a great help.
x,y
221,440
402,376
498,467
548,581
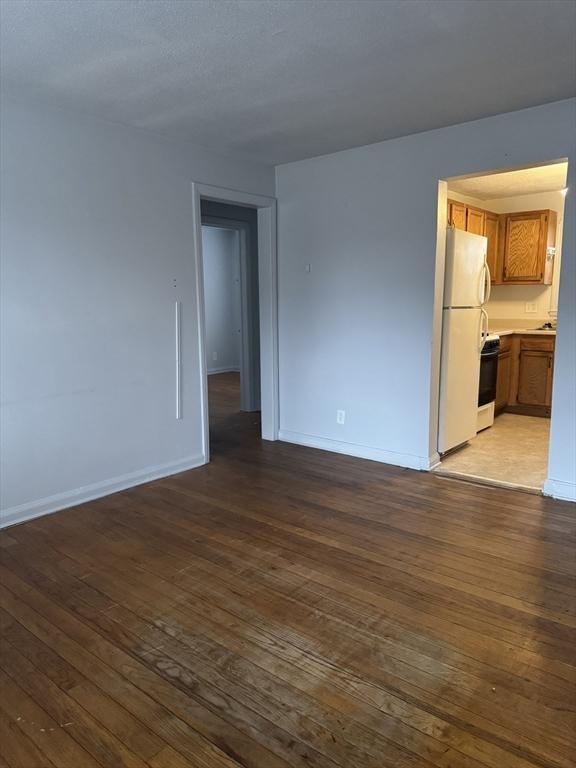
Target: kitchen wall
x,y
508,302
360,287
221,250
96,248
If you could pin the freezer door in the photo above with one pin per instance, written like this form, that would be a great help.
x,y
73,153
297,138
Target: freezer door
x,y
466,270
459,376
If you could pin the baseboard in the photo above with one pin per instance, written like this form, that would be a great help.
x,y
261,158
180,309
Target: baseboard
x,y
560,489
46,506
222,370
409,460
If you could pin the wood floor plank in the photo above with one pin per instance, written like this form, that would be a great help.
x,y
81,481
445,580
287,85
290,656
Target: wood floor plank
x,y
17,749
50,737
288,607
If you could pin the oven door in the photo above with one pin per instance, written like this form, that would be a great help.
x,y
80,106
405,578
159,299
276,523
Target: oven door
x,y
488,375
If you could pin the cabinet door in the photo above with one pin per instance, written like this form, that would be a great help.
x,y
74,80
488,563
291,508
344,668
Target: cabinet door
x,y
457,214
475,221
535,377
491,230
503,380
524,248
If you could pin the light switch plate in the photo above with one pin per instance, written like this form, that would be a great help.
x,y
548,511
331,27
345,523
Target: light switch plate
x,y
531,308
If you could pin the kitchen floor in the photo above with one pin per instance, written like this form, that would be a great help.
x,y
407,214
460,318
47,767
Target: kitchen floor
x,y
513,452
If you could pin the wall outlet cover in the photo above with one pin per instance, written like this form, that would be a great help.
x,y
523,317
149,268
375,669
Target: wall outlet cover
x,y
214,355
531,307
340,417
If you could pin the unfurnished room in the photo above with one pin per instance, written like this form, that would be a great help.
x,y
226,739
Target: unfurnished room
x,y
288,384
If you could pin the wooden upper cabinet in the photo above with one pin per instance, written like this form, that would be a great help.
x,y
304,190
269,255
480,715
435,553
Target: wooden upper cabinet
x,y
521,246
529,247
475,221
491,230
456,214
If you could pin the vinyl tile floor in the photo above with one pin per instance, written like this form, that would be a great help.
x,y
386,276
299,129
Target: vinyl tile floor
x,y
513,452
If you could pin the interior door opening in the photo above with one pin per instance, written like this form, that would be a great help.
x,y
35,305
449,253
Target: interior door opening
x,y
498,272
231,310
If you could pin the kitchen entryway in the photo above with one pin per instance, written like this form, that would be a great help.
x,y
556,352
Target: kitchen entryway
x,y
512,453
500,286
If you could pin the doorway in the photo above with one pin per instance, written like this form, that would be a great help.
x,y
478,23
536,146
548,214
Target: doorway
x,y
514,220
245,380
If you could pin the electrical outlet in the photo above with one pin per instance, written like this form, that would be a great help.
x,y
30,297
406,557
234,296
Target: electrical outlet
x,y
214,355
531,308
340,417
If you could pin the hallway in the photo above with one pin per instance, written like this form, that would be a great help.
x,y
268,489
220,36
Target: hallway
x,y
229,426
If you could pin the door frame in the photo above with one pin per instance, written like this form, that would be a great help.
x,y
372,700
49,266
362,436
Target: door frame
x,y
268,303
249,400
560,489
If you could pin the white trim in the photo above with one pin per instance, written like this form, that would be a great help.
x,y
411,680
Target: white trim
x,y
233,196
200,320
268,301
560,489
46,506
225,369
354,449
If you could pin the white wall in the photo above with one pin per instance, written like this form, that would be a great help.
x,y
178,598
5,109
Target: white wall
x,y
96,247
221,249
356,330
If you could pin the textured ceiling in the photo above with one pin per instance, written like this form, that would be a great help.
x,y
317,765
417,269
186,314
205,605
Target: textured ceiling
x,y
544,178
281,81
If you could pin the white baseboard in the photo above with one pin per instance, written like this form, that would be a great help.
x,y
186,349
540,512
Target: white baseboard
x,y
223,370
560,489
49,504
354,449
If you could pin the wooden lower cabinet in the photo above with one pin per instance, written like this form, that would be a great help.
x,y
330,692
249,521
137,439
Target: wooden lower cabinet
x,y
531,370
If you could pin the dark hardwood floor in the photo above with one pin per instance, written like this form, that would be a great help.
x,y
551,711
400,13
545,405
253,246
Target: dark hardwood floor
x,y
289,607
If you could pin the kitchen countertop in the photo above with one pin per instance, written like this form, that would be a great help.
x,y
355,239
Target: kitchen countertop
x,y
523,331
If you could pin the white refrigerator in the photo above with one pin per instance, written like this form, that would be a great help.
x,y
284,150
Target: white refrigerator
x,y
464,327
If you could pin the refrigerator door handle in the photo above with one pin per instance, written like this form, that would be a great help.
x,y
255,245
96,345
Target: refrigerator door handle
x,y
488,281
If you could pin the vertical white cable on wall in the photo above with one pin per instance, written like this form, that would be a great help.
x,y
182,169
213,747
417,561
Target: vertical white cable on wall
x,y
178,326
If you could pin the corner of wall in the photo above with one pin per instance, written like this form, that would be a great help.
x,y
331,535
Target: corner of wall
x,y
560,489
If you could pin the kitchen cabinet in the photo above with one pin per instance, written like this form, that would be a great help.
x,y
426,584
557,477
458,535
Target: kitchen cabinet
x,y
535,378
492,230
475,220
531,375
456,214
521,246
529,248
504,373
